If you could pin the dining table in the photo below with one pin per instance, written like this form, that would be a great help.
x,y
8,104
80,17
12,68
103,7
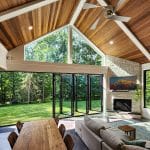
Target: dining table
x,y
40,135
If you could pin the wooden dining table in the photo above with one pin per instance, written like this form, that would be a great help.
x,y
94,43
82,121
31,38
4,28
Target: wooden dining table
x,y
40,135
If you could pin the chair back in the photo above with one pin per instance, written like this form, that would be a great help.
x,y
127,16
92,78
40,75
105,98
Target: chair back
x,y
62,130
69,142
12,139
19,126
56,120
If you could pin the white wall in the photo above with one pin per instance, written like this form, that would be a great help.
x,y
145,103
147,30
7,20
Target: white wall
x,y
145,111
122,67
3,57
117,67
17,63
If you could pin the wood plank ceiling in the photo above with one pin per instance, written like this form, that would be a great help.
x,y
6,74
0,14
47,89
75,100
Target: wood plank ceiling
x,y
107,30
14,32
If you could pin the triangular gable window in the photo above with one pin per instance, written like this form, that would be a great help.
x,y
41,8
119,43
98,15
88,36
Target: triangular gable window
x,y
83,53
53,48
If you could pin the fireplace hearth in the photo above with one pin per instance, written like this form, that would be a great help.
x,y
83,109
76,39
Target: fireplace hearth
x,y
122,105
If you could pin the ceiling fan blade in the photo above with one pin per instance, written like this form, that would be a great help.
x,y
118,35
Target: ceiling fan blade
x,y
94,25
118,4
88,6
119,18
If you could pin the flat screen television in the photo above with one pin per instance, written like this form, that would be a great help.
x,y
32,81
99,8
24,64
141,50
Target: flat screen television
x,y
123,83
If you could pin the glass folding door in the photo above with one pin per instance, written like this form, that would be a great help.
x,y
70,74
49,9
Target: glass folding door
x,y
96,93
80,94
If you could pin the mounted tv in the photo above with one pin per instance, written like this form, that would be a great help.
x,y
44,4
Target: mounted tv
x,y
123,83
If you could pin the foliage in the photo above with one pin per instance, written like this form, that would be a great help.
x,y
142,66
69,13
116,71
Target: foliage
x,y
53,48
83,53
138,93
147,89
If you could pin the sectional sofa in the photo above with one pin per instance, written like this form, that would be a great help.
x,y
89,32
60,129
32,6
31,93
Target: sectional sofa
x,y
99,135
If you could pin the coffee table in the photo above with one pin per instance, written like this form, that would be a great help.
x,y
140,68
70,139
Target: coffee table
x,y
129,131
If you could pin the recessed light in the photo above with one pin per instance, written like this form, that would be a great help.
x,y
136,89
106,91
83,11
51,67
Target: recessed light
x,y
111,42
30,27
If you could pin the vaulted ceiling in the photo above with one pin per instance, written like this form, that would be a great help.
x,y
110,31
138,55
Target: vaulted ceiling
x,y
14,31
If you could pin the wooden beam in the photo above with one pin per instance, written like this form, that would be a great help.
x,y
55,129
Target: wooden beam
x,y
24,9
69,45
3,56
95,48
77,12
131,36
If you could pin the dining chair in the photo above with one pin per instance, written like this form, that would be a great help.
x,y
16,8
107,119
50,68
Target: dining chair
x,y
19,126
12,139
69,142
56,120
62,130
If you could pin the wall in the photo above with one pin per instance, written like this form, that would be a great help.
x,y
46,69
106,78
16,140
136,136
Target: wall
x,y
122,67
17,63
117,67
3,57
145,111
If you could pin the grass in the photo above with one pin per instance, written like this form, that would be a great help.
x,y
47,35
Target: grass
x,y
10,114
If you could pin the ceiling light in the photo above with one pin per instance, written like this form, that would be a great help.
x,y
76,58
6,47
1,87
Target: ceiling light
x,y
30,27
111,42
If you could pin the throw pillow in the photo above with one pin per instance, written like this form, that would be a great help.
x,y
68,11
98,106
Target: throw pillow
x,y
132,147
119,133
93,125
136,142
111,139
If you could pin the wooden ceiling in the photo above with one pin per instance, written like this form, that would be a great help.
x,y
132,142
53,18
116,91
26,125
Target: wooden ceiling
x,y
14,32
108,30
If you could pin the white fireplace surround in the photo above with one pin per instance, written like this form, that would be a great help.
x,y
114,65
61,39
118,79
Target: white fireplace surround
x,y
122,95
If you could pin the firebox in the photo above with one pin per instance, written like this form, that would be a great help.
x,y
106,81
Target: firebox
x,y
122,105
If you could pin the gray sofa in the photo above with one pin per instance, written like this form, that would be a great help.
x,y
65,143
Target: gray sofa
x,y
98,135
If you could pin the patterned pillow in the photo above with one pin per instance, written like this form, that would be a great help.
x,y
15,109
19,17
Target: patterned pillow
x,y
132,147
136,142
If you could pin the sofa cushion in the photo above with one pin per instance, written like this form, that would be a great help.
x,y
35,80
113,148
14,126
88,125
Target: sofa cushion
x,y
132,147
111,139
119,133
93,125
136,142
103,123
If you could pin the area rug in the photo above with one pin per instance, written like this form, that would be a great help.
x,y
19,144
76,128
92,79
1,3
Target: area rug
x,y
142,128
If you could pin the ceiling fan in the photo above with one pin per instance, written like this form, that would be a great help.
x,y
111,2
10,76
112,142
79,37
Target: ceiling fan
x,y
108,11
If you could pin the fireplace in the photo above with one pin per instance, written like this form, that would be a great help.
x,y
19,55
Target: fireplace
x,y
122,105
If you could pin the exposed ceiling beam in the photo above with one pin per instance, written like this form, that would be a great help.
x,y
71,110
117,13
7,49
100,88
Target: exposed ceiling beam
x,y
95,48
127,31
77,12
2,47
11,13
134,39
3,56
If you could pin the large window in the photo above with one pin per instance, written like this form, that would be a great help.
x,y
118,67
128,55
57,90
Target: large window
x,y
52,48
147,88
83,53
29,96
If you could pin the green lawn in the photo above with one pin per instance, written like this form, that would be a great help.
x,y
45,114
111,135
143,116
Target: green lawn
x,y
10,114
